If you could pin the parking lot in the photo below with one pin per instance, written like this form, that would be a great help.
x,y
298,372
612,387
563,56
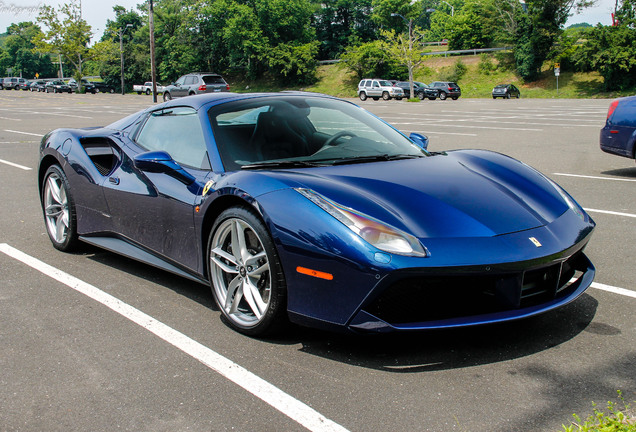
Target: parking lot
x,y
94,341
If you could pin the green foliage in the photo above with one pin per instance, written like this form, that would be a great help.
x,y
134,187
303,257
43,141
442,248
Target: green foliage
x,y
453,73
472,27
486,65
67,34
371,60
294,62
340,23
19,52
615,420
611,51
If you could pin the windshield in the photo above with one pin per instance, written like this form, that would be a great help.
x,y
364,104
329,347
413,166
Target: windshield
x,y
293,131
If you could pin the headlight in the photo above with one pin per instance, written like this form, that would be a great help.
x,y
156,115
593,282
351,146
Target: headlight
x,y
374,232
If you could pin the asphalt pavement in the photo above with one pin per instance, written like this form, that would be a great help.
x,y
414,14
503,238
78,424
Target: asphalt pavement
x,y
94,341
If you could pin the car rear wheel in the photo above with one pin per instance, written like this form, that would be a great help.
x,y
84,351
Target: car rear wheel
x,y
245,273
442,96
363,96
386,96
166,97
59,210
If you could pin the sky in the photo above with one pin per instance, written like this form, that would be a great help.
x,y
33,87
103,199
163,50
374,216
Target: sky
x,y
96,12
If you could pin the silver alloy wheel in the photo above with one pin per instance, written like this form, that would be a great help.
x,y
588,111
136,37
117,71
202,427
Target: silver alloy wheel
x,y
240,272
56,210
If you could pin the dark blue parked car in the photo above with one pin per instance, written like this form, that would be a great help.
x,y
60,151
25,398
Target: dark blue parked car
x,y
619,134
303,207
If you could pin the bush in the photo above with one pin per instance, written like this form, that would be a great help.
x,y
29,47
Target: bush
x,y
454,73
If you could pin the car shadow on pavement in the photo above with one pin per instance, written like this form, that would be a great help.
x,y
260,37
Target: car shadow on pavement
x,y
435,350
621,172
413,352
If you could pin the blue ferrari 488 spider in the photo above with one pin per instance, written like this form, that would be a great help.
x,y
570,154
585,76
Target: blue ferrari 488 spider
x,y
306,208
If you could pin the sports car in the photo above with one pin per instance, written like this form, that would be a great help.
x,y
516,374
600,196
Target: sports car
x,y
303,208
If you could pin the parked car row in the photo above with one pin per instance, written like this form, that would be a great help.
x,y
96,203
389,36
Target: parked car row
x,y
54,85
392,89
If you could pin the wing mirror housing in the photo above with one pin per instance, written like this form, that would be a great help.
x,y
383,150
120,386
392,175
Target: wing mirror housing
x,y
162,162
420,140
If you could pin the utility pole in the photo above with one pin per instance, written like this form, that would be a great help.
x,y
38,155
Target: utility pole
x,y
151,24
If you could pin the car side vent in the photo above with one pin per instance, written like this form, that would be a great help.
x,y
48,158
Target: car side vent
x,y
102,152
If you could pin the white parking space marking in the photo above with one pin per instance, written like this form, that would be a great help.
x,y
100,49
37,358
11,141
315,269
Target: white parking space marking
x,y
23,133
60,114
10,119
594,177
613,213
15,165
615,290
286,404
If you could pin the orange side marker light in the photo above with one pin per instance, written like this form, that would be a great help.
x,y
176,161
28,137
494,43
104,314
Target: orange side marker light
x,y
314,273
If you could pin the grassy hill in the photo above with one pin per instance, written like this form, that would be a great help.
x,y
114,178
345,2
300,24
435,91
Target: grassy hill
x,y
477,82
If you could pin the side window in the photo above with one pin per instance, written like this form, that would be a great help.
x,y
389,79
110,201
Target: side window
x,y
178,132
376,84
180,81
190,80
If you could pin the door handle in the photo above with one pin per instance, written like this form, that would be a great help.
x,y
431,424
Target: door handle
x,y
114,180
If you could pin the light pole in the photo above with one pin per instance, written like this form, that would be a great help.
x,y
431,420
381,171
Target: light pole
x,y
451,6
409,22
121,52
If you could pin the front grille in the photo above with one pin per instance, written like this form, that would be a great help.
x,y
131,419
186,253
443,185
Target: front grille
x,y
447,296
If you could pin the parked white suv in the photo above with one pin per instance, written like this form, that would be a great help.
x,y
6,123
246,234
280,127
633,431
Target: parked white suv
x,y
378,88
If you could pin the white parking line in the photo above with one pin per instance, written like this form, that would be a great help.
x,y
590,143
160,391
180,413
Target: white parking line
x,y
286,404
594,177
23,133
15,165
613,213
615,290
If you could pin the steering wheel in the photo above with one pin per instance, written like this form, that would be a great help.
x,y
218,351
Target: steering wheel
x,y
337,136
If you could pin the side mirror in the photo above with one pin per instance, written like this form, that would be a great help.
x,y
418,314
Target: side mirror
x,y
420,140
162,162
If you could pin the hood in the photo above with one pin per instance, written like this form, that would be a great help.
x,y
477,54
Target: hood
x,y
466,193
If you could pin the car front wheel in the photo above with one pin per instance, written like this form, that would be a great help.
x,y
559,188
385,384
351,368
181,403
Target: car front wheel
x,y
245,273
386,96
363,96
59,210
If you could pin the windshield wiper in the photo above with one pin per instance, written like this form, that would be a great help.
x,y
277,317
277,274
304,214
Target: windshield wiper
x,y
374,158
281,164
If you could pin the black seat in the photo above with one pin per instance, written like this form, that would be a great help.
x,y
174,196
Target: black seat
x,y
274,137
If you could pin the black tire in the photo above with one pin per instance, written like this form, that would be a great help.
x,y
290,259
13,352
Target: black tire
x,y
112,90
376,98
431,98
147,92
138,92
226,271
507,95
455,97
421,95
386,96
442,96
58,209
166,97
363,96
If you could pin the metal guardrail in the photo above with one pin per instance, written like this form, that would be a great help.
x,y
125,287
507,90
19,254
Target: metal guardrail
x,y
473,51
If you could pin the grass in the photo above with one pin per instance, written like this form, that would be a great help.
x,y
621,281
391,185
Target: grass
x,y
614,420
337,81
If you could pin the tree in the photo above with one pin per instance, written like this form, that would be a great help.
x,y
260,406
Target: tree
x,y
67,34
404,47
20,51
536,31
369,59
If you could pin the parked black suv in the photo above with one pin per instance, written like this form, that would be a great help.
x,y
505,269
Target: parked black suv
x,y
447,89
421,90
196,83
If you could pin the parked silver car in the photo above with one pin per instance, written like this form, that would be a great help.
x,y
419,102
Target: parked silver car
x,y
196,83
378,88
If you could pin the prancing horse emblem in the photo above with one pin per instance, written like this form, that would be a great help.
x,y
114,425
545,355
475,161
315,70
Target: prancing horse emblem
x,y
534,241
